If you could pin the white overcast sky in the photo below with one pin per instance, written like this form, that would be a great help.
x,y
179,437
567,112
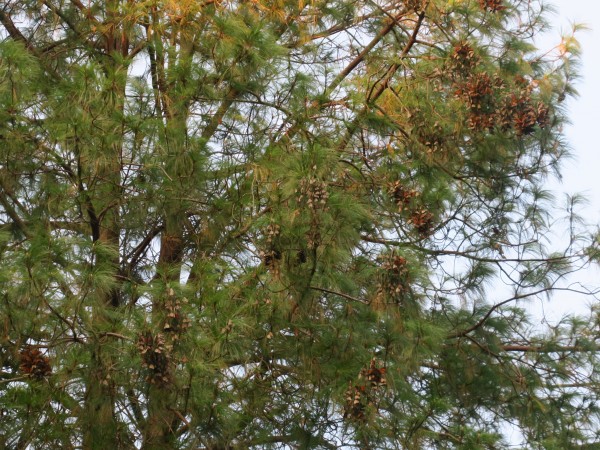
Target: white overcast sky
x,y
581,174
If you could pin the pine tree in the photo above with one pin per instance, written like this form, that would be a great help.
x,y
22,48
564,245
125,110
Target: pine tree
x,y
286,224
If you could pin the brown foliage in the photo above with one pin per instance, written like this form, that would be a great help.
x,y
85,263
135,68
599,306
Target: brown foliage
x,y
34,363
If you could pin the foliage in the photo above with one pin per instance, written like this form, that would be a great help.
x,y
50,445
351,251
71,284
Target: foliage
x,y
286,224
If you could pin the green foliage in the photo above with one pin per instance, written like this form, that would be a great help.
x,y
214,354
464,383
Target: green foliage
x,y
286,224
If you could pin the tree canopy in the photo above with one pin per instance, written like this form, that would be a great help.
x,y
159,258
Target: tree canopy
x,y
287,224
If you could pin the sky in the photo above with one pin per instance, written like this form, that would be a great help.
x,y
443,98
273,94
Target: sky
x,y
581,173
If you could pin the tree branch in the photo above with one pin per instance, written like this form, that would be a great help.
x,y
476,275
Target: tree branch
x,y
340,294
